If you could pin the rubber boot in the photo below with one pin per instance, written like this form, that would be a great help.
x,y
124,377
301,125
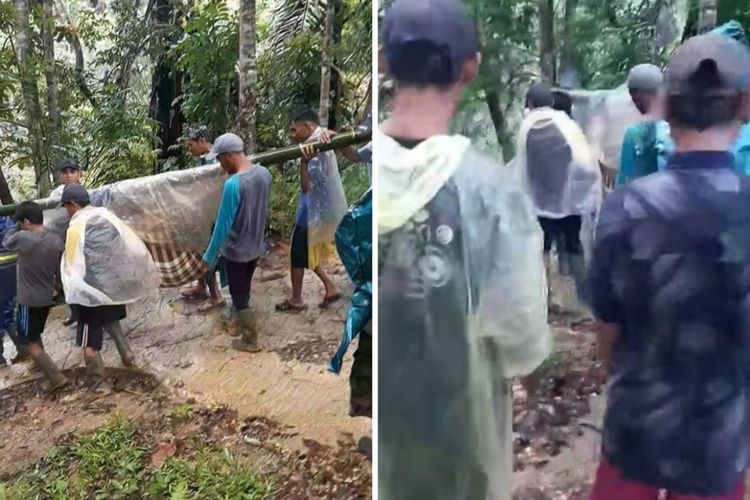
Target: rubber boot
x,y
56,380
22,354
228,314
126,354
248,328
95,376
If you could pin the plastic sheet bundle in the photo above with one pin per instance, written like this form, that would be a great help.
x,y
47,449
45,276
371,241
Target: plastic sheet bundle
x,y
105,263
170,212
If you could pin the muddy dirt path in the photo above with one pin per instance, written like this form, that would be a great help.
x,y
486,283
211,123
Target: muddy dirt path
x,y
191,353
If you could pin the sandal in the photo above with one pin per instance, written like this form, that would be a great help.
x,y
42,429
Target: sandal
x,y
287,306
210,304
193,293
329,300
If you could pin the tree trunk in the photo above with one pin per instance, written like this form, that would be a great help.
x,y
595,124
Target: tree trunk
x,y
707,10
166,88
48,43
6,198
337,79
568,72
325,70
30,91
248,76
547,39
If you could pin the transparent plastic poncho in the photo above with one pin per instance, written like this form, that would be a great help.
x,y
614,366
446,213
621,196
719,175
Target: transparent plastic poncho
x,y
557,166
326,199
462,308
105,263
604,115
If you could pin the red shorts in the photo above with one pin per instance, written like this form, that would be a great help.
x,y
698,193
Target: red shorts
x,y
610,485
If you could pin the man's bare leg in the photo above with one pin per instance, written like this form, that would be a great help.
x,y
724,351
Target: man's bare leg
x,y
294,303
332,291
214,295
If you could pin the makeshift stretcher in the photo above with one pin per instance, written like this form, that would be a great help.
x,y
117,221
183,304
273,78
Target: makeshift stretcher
x,y
172,212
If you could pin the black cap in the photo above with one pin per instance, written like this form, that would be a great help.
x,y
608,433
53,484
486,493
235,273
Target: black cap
x,y
74,193
709,64
68,163
441,24
540,95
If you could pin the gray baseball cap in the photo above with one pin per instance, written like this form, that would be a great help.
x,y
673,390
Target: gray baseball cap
x,y
645,77
711,64
67,164
442,24
228,143
74,193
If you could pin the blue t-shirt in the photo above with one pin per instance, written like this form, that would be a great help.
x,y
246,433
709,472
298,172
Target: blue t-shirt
x,y
5,224
670,267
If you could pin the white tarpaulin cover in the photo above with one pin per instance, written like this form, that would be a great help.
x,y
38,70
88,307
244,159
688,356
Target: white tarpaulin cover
x,y
105,263
556,164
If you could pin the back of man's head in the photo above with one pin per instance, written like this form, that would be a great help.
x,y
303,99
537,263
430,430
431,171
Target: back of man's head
x,y
540,95
563,102
31,212
708,83
427,43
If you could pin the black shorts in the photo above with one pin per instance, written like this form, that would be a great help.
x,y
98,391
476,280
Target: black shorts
x,y
91,323
565,233
31,322
298,253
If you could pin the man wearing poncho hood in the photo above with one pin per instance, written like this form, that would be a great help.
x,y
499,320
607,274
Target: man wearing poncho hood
x,y
461,283
558,169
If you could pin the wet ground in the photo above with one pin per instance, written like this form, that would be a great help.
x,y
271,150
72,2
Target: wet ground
x,y
191,355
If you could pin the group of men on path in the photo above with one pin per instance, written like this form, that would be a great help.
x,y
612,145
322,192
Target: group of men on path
x,y
101,266
462,247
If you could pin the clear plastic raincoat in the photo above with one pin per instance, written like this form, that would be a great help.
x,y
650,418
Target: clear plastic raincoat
x,y
557,166
462,308
326,203
105,263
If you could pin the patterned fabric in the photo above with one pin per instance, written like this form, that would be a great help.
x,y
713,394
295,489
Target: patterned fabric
x,y
176,267
670,268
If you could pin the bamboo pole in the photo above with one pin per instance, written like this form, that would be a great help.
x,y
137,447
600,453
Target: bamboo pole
x,y
272,157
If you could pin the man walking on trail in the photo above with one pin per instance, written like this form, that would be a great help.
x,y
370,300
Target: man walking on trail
x,y
461,297
647,144
322,205
96,267
68,172
201,149
669,287
238,235
39,254
562,178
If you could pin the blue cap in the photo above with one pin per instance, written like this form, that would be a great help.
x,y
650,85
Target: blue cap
x,y
442,24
